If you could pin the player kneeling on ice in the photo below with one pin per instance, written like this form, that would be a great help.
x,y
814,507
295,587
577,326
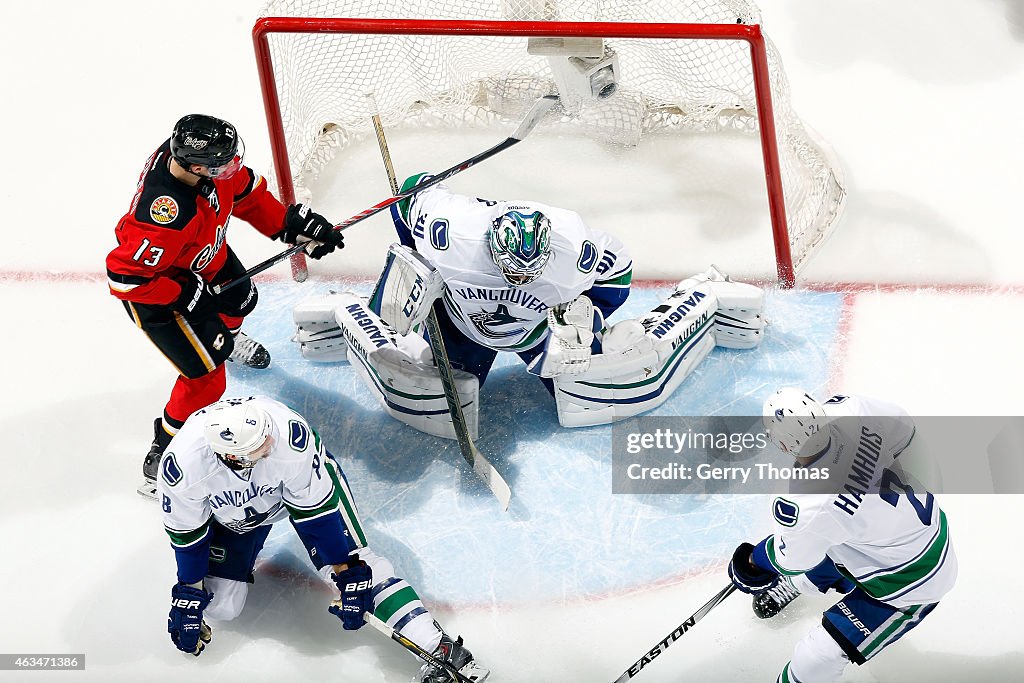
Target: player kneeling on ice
x,y
233,470
877,539
525,278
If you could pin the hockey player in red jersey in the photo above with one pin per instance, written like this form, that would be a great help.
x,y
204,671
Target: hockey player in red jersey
x,y
172,248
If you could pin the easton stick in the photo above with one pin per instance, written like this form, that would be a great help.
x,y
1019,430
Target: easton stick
x,y
675,635
529,122
483,468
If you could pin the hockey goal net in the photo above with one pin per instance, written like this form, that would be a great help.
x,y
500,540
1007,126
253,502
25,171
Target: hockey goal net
x,y
687,65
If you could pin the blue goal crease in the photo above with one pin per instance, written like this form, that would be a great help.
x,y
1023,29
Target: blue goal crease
x,y
565,525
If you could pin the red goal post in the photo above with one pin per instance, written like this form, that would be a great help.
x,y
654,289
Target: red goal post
x,y
271,77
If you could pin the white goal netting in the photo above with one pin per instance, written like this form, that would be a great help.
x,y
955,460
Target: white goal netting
x,y
705,86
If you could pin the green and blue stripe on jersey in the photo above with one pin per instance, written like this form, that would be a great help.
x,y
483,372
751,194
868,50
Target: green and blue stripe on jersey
x,y
332,526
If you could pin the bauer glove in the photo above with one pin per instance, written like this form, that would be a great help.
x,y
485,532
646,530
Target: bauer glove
x,y
745,576
355,584
189,632
196,297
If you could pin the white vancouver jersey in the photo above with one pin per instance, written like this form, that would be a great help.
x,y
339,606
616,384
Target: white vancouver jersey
x,y
894,543
194,484
451,230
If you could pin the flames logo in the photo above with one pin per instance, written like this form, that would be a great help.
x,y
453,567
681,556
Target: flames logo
x,y
163,210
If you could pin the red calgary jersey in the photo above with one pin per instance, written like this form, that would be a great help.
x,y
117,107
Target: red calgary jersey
x,y
172,228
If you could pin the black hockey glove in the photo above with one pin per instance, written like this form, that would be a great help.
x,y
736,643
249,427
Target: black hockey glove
x,y
355,584
748,578
189,632
196,297
301,221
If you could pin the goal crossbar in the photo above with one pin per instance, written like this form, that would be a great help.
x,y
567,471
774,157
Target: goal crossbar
x,y
749,33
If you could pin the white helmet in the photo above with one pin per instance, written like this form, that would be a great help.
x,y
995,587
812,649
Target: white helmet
x,y
238,432
795,422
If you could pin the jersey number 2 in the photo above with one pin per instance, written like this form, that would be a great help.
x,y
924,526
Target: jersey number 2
x,y
892,483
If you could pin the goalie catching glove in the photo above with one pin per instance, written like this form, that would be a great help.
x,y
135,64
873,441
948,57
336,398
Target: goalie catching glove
x,y
575,330
302,224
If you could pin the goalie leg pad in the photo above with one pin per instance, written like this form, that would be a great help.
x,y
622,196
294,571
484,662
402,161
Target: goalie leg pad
x,y
406,289
739,320
317,331
643,361
399,372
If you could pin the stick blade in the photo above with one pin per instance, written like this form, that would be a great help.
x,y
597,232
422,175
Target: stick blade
x,y
485,470
533,117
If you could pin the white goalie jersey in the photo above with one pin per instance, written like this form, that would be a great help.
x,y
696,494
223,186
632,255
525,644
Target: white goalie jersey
x,y
451,231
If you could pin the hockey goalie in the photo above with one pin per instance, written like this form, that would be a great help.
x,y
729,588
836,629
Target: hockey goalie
x,y
525,278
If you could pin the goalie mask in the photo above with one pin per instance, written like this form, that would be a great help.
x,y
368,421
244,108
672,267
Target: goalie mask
x,y
240,434
796,423
520,245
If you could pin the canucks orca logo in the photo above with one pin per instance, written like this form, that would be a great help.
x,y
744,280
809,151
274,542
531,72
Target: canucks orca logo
x,y
252,519
485,321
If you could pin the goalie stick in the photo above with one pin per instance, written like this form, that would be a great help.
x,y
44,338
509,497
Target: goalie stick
x,y
529,122
483,468
677,633
412,647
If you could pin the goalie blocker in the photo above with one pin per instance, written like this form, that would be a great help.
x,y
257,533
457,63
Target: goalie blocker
x,y
643,361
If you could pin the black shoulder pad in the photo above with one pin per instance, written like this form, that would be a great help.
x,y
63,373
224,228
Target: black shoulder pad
x,y
165,202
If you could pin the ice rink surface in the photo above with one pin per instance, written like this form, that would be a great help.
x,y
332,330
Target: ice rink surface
x,y
918,298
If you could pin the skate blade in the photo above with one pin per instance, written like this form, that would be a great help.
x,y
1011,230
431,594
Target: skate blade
x,y
147,489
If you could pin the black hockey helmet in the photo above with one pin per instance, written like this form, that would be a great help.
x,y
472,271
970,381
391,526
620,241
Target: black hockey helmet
x,y
205,140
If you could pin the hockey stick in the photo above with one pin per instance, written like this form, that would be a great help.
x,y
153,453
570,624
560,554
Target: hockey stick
x,y
675,635
529,122
412,647
483,468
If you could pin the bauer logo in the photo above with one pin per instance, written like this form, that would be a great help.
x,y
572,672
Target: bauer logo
x,y
360,586
183,603
163,210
